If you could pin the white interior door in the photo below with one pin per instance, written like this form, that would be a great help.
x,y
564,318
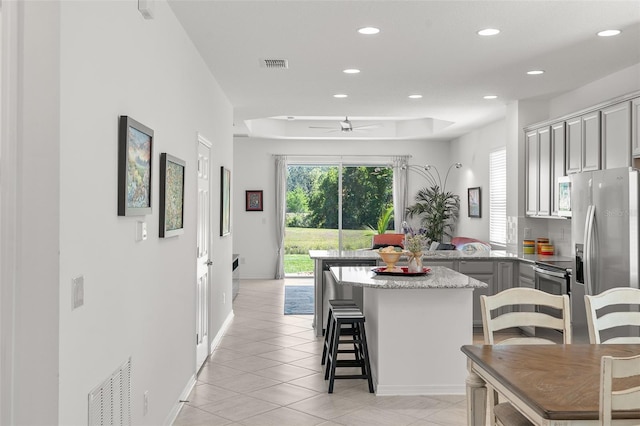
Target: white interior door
x,y
204,260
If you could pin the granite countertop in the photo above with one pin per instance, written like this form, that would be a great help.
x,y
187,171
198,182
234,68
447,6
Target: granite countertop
x,y
438,255
439,277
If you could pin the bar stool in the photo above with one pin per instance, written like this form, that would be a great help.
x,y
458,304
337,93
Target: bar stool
x,y
335,304
359,341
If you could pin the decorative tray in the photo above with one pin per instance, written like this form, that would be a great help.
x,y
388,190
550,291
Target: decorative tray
x,y
404,272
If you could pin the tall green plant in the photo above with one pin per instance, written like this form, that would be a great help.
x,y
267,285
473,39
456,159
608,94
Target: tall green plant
x,y
384,220
437,210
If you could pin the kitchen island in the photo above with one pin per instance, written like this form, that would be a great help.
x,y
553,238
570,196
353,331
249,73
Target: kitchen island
x,y
415,327
498,268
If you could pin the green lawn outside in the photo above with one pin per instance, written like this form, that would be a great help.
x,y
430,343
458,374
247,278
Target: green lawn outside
x,y
298,242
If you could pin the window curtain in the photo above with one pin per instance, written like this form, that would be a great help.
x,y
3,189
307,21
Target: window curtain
x,y
281,209
400,190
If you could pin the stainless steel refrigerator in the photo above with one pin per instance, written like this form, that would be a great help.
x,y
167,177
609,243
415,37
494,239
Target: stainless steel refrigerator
x,y
604,235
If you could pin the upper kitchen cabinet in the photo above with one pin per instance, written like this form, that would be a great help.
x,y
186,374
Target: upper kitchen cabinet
x,y
538,173
583,143
635,127
558,137
616,136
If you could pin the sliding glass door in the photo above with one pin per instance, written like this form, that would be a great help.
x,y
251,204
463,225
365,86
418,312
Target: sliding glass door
x,y
333,207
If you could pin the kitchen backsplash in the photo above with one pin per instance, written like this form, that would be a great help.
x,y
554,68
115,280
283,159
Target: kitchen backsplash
x,y
557,230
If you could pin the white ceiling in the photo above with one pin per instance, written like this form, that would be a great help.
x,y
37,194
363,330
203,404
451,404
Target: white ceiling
x,y
426,47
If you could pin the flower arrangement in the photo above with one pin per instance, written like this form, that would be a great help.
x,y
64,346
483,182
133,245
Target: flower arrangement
x,y
415,241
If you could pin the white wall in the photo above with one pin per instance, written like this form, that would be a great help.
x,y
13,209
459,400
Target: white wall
x,y
473,150
86,63
254,168
617,84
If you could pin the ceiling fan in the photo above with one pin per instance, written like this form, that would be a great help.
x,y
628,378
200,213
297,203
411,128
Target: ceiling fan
x,y
346,126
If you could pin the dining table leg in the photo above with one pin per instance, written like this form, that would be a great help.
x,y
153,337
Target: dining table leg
x,y
476,400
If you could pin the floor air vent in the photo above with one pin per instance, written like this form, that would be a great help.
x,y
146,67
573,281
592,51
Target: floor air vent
x,y
110,402
274,63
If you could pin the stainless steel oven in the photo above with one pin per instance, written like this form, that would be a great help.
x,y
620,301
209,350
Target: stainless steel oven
x,y
551,279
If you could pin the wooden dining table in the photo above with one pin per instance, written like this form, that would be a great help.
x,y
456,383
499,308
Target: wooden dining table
x,y
555,385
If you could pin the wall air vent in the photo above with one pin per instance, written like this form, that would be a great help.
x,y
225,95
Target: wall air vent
x,y
110,402
274,63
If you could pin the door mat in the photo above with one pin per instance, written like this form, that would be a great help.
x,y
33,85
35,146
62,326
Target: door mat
x,y
298,299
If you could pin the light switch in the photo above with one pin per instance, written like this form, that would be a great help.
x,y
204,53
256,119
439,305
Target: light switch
x,y
141,231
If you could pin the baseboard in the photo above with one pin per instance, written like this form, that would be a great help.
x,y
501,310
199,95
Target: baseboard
x,y
173,414
216,340
406,390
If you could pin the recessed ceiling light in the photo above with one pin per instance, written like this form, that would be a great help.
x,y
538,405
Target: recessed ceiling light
x,y
608,33
415,96
369,30
351,71
489,32
535,72
490,97
340,95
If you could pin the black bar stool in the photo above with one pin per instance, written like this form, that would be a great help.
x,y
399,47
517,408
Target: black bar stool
x,y
358,339
335,304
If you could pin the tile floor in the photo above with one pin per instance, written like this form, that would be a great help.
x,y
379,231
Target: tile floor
x,y
266,371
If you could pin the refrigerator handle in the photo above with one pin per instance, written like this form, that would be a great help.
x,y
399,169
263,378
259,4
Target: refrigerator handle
x,y
588,249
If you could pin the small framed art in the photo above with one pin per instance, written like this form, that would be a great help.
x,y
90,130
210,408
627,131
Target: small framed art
x,y
475,202
135,150
254,201
171,196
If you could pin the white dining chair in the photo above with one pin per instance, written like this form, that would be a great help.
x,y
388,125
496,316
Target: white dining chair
x,y
507,309
610,320
622,398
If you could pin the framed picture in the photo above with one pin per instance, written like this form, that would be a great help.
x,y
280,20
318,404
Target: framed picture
x,y
135,149
254,201
475,202
171,196
225,201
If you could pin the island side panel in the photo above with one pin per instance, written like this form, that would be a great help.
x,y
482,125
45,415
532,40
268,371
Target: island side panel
x,y
416,337
317,323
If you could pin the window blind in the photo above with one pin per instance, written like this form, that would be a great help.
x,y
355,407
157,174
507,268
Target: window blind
x,y
498,197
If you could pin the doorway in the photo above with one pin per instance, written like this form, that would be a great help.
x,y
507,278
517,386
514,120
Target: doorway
x,y
203,232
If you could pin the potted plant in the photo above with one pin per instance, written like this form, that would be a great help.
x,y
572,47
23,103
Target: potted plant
x,y
381,238
437,210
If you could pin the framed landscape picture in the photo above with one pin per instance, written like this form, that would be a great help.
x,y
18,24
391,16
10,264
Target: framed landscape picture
x,y
475,205
171,196
254,201
135,150
225,201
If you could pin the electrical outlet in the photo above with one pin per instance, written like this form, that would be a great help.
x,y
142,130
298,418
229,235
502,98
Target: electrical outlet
x,y
145,403
77,292
224,298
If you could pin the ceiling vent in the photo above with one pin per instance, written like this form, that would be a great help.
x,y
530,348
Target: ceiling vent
x,y
274,63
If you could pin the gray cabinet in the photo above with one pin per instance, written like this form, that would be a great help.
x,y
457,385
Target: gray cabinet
x,y
557,162
574,145
583,143
526,278
538,172
544,172
591,141
504,271
531,161
635,127
616,136
481,271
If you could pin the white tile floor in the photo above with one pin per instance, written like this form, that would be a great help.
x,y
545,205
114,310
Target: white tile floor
x,y
266,371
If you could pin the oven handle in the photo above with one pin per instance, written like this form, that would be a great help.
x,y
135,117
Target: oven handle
x,y
541,271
